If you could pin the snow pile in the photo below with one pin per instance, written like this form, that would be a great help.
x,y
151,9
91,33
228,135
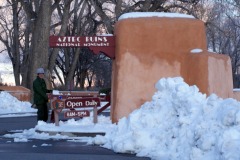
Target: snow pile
x,y
179,123
10,104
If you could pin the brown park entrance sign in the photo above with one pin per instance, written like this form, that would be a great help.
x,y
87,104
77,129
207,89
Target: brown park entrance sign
x,y
98,44
71,103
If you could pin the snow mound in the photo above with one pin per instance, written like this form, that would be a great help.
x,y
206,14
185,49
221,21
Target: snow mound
x,y
179,123
10,104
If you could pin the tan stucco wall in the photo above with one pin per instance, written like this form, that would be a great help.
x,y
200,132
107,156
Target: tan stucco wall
x,y
236,95
148,49
220,79
211,72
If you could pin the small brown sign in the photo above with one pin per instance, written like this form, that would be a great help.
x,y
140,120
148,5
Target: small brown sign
x,y
74,114
82,102
57,104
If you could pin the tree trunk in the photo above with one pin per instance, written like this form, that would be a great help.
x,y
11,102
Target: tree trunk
x,y
15,45
71,71
64,24
40,40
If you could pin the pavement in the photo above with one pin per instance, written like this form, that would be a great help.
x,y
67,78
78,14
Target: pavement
x,y
50,149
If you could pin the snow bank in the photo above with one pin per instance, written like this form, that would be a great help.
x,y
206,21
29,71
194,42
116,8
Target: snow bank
x,y
179,123
10,104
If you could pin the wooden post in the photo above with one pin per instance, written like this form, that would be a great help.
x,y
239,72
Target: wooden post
x,y
95,120
56,117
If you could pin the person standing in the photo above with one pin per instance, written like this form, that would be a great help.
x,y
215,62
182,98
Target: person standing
x,y
40,96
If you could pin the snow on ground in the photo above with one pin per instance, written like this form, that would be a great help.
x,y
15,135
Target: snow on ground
x,y
83,126
10,104
178,123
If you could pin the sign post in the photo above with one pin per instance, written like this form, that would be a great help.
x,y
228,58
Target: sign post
x,y
95,120
56,118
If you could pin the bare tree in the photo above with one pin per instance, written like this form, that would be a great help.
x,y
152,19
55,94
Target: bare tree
x,y
28,45
223,33
40,40
10,36
26,39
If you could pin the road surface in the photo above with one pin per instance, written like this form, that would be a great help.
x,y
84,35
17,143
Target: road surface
x,y
50,149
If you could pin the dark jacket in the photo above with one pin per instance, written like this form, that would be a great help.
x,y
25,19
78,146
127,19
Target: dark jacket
x,y
40,91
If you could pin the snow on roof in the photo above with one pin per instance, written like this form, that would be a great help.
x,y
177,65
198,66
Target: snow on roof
x,y
196,50
153,14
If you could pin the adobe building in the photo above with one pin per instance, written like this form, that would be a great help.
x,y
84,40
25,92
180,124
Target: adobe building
x,y
156,45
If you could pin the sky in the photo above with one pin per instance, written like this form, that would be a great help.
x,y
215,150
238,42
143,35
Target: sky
x,y
178,123
6,70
